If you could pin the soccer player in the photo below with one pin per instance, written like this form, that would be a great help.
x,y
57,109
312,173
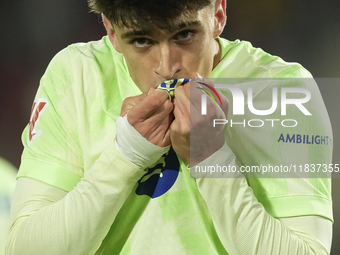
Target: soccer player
x,y
105,169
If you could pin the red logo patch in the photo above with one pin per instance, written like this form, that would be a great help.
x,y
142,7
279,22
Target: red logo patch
x,y
39,106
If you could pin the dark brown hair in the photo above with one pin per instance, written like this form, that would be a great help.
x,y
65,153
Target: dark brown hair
x,y
141,13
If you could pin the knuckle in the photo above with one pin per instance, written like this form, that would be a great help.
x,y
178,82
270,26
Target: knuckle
x,y
160,94
186,129
182,128
154,102
127,100
132,119
168,106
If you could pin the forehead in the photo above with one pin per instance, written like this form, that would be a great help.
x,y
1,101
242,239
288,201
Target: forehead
x,y
186,19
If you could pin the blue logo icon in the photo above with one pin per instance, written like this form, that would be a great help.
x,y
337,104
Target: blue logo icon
x,y
160,178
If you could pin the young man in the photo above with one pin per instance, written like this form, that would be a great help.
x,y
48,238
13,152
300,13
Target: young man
x,y
98,174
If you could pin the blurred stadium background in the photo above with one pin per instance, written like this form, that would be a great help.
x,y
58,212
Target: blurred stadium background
x,y
32,32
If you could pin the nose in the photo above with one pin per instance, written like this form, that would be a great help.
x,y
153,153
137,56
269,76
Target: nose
x,y
168,62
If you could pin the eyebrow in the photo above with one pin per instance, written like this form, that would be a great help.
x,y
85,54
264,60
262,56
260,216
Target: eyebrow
x,y
134,33
144,32
179,26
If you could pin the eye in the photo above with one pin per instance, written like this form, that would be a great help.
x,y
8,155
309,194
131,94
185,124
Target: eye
x,y
185,35
141,42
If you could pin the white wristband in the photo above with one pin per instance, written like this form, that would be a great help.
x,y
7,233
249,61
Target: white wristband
x,y
134,147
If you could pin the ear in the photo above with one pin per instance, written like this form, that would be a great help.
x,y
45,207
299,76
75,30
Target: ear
x,y
111,33
220,17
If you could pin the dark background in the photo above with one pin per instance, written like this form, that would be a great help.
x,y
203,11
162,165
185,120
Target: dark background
x,y
32,32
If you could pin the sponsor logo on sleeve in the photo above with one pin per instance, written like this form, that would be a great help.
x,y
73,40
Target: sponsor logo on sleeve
x,y
39,106
305,139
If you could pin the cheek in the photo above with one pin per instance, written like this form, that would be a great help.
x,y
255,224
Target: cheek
x,y
205,48
194,55
202,58
140,72
135,66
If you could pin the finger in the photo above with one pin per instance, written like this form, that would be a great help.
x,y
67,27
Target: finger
x,y
148,106
181,123
209,88
182,118
224,102
161,94
188,99
155,128
182,99
166,139
215,94
161,113
214,98
177,109
165,107
218,97
131,102
196,91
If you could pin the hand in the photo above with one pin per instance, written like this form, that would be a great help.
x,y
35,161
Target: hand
x,y
150,114
192,135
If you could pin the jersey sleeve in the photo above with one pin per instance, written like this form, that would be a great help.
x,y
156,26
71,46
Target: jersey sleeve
x,y
258,178
286,155
52,153
286,139
45,217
